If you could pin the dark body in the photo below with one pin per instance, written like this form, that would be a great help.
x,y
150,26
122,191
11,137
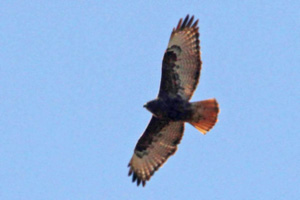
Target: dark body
x,y
174,109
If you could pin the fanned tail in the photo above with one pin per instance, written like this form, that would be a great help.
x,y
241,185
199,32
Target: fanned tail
x,y
204,115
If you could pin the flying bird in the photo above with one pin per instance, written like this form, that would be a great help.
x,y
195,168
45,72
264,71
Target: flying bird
x,y
171,109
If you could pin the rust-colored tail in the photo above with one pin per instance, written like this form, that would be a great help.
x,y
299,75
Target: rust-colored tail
x,y
204,115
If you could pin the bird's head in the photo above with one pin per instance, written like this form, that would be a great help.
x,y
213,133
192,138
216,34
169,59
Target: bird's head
x,y
155,107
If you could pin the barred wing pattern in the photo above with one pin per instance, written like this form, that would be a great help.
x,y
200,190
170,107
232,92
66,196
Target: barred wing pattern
x,y
156,145
182,62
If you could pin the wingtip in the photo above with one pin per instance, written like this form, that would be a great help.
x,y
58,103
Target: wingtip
x,y
186,22
134,177
138,181
179,24
130,172
195,23
190,21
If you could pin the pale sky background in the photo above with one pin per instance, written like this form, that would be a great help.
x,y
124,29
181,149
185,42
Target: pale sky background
x,y
74,76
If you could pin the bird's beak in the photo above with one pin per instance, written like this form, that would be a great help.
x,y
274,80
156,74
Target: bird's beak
x,y
145,105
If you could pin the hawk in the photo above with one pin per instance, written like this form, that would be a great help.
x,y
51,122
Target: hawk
x,y
171,109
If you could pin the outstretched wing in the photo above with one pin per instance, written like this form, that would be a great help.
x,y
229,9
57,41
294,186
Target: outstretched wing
x,y
181,63
156,145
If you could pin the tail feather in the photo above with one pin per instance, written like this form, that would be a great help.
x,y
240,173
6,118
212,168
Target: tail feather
x,y
204,115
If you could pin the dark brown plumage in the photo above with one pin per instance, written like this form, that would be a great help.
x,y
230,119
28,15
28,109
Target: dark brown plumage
x,y
171,109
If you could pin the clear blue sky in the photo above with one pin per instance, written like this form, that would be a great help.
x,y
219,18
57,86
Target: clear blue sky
x,y
74,76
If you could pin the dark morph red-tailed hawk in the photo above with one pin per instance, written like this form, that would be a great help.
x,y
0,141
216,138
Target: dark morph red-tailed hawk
x,y
171,109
